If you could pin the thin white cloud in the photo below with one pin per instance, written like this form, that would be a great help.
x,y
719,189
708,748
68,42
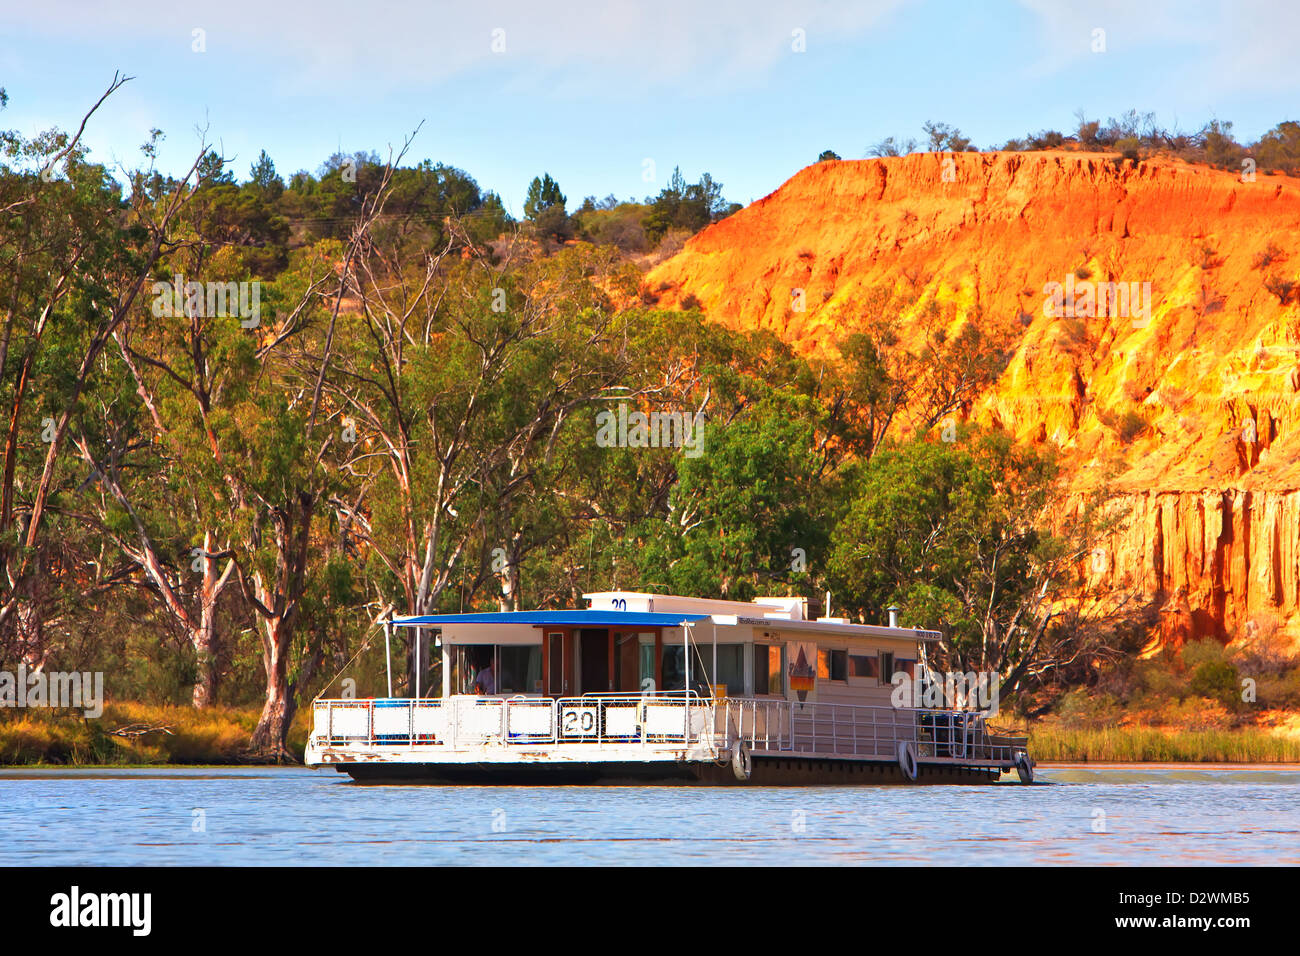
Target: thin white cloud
x,y
351,43
1258,47
1069,31
1231,45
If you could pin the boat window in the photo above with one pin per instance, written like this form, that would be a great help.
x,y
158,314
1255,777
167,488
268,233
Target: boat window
x,y
731,666
646,669
769,669
675,669
473,665
520,670
840,665
832,665
886,667
862,665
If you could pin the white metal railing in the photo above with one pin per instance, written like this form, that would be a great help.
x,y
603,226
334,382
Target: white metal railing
x,y
862,730
465,722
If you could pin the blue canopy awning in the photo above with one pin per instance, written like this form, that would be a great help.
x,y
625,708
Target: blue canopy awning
x,y
556,619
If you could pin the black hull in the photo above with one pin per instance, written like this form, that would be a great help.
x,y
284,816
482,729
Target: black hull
x,y
767,772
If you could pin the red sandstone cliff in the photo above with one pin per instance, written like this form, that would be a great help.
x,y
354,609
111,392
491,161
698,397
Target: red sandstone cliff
x,y
1212,475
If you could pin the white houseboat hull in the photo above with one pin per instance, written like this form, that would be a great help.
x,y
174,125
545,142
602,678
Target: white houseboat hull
x,y
655,739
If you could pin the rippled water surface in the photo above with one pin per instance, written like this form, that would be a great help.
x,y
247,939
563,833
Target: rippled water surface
x,y
1095,815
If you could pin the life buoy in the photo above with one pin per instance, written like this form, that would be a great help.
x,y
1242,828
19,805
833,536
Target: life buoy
x,y
1025,768
907,759
742,765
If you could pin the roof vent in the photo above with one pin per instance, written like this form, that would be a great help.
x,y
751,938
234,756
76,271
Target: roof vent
x,y
826,616
893,614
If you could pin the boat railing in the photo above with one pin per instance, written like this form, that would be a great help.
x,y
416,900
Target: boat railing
x,y
466,722
861,730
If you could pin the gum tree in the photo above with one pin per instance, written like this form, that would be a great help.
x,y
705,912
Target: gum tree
x,y
76,255
460,377
961,535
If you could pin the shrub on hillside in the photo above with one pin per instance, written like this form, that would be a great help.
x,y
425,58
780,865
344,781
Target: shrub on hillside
x,y
1284,289
1087,707
1266,257
1217,680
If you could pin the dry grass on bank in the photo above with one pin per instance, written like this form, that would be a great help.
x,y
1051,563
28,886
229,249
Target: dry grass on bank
x,y
132,733
1053,743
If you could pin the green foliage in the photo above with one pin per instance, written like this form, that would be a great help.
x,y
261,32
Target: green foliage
x,y
947,531
1047,139
543,193
619,225
682,205
262,174
1217,680
1220,148
1130,148
944,138
1088,707
738,511
544,207
1279,148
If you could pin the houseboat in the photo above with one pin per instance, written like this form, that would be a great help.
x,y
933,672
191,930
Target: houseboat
x,y
662,688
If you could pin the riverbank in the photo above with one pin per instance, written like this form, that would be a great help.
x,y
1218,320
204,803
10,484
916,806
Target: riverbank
x,y
1057,744
133,734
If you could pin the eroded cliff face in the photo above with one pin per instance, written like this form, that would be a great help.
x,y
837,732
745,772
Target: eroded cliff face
x,y
1189,393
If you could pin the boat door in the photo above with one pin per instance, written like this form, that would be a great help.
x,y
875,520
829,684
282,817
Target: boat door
x,y
556,675
595,663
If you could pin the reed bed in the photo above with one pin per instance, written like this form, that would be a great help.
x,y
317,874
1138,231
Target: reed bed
x,y
1054,743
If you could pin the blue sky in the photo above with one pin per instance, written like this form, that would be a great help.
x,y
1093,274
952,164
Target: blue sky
x,y
590,91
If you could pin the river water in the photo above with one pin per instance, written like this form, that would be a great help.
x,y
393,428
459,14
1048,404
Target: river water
x,y
1116,815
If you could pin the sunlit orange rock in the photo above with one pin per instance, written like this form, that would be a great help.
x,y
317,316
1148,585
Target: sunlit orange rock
x,y
1193,410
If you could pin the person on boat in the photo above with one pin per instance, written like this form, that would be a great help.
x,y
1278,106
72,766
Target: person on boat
x,y
484,682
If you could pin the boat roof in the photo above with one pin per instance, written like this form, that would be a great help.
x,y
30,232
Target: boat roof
x,y
843,628
607,618
586,618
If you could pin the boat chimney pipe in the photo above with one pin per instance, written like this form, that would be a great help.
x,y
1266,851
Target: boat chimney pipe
x,y
827,612
893,615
